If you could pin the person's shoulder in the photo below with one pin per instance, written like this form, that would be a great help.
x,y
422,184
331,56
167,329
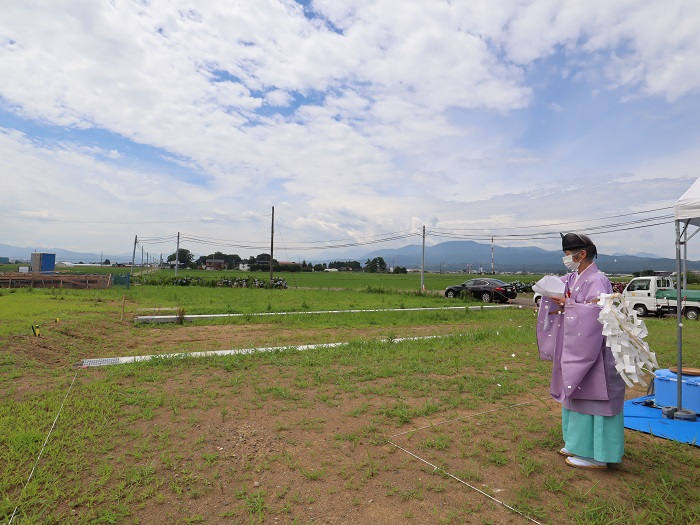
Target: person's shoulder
x,y
600,277
599,280
594,277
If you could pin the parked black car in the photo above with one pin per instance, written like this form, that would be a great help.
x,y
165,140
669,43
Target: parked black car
x,y
488,290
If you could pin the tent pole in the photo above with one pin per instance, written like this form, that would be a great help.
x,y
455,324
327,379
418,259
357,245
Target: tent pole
x,y
679,316
685,258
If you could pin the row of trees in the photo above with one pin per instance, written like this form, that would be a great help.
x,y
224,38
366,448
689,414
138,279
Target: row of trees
x,y
262,262
231,261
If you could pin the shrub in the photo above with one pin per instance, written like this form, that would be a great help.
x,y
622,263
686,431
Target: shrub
x,y
237,282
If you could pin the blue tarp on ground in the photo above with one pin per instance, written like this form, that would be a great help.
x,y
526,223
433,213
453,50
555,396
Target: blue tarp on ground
x,y
649,419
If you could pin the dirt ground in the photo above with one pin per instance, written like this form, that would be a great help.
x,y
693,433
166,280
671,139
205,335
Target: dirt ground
x,y
320,458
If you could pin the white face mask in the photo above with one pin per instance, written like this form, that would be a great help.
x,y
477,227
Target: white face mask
x,y
569,262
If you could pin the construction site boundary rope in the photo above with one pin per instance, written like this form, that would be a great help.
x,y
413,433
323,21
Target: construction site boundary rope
x,y
43,447
436,468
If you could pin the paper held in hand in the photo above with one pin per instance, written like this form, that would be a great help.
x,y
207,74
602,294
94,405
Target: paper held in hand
x,y
549,286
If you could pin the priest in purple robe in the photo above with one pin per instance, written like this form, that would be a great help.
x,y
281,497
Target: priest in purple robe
x,y
584,379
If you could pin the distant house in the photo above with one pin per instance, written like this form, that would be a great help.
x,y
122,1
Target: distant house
x,y
4,260
215,264
43,262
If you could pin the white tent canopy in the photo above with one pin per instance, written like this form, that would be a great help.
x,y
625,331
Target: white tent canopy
x,y
687,208
687,212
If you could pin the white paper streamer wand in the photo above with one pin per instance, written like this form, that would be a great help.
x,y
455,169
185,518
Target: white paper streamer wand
x,y
624,335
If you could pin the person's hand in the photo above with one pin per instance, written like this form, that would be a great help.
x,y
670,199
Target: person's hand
x,y
559,300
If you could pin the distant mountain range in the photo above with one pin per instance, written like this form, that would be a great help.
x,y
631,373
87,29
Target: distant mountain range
x,y
640,254
453,256
468,255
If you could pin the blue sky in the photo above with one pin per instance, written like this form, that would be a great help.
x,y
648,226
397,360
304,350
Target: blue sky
x,y
357,121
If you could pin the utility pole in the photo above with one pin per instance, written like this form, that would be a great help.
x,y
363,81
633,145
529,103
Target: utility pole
x,y
272,241
177,254
422,264
133,257
493,271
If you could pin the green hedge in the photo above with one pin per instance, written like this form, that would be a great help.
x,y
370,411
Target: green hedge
x,y
226,282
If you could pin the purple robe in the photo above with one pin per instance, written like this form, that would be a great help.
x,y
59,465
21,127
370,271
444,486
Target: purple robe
x,y
584,378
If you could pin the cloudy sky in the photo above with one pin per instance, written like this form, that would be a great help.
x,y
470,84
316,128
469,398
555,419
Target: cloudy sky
x,y
360,121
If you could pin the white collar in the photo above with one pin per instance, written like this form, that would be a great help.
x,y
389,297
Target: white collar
x,y
579,275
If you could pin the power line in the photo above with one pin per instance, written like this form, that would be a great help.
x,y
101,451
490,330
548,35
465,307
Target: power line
x,y
407,233
563,223
157,240
544,235
475,234
484,235
313,245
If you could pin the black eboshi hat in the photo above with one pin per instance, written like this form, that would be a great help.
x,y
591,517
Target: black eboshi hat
x,y
572,241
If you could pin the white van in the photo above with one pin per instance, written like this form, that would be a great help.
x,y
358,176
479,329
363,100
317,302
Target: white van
x,y
640,293
657,295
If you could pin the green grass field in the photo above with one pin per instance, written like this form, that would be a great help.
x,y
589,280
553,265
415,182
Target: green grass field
x,y
354,280
295,437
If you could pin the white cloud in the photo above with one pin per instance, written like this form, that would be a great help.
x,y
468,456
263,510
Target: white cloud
x,y
360,119
652,46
